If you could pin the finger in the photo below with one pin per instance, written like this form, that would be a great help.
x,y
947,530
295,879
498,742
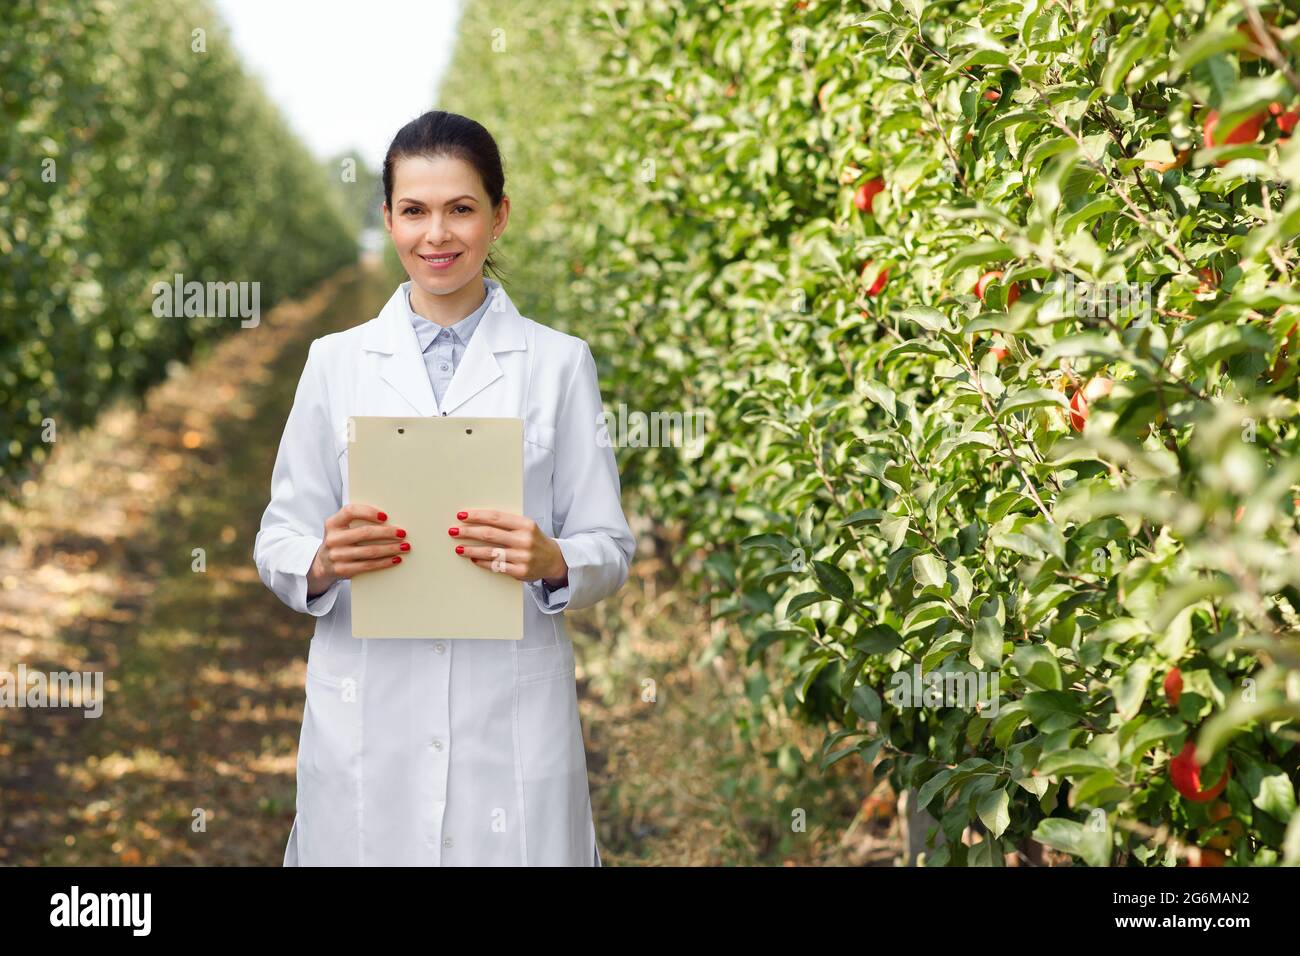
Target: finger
x,y
370,551
378,533
354,510
353,568
514,570
493,517
482,532
489,552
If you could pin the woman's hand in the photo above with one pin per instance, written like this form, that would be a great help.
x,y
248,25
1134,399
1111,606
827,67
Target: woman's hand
x,y
514,545
346,552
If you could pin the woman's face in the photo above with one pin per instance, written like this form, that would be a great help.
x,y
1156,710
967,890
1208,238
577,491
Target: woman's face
x,y
439,209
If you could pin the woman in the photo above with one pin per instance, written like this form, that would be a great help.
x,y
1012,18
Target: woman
x,y
445,752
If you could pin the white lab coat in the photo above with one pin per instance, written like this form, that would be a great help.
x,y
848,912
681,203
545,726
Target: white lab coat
x,y
450,752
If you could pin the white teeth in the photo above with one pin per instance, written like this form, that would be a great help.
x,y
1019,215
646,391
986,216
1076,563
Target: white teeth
x,y
443,259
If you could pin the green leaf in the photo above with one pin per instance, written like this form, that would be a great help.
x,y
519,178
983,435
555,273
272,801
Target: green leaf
x,y
865,703
878,639
994,810
1071,763
1070,836
774,541
893,528
986,644
1038,666
1030,398
1121,61
978,254
1155,732
1130,689
932,320
834,581
928,571
930,789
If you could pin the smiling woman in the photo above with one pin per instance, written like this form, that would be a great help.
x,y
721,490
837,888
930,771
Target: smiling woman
x,y
444,206
473,751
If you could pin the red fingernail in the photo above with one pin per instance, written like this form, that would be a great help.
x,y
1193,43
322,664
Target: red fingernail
x,y
453,531
406,546
401,532
462,515
460,549
382,516
397,559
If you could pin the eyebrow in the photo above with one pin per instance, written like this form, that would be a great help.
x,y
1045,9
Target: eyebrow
x,y
447,203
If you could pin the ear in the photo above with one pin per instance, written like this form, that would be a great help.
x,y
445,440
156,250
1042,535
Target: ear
x,y
388,217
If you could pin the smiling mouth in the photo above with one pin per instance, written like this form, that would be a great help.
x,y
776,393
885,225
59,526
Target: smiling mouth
x,y
439,260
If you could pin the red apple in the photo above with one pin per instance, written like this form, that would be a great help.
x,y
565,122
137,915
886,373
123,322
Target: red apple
x,y
1174,686
1078,410
1013,292
881,278
1247,131
866,196
1185,775
1209,280
1286,119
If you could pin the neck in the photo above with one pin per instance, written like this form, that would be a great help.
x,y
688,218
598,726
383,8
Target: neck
x,y
447,310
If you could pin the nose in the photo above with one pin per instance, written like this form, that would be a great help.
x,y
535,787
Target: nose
x,y
438,232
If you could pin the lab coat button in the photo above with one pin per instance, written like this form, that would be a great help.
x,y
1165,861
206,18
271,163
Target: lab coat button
x,y
447,842
437,744
440,647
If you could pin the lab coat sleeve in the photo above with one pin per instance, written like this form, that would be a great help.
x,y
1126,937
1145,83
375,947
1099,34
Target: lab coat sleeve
x,y
305,490
588,519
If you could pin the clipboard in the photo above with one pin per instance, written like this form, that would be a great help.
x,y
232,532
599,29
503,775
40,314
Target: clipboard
x,y
421,471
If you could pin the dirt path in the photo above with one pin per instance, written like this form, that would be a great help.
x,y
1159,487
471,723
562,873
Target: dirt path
x,y
192,760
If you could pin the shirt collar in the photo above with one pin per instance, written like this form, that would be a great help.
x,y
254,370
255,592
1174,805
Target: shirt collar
x,y
426,331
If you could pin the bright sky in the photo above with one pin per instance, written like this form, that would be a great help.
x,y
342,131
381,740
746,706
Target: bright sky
x,y
346,74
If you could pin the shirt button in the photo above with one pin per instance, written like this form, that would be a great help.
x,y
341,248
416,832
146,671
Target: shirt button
x,y
440,647
443,366
447,842
437,744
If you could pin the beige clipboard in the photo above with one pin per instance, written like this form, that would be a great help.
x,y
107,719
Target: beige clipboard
x,y
420,472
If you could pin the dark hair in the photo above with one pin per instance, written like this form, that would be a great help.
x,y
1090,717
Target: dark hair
x,y
439,133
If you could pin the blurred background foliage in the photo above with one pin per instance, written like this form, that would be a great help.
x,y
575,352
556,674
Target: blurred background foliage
x,y
133,149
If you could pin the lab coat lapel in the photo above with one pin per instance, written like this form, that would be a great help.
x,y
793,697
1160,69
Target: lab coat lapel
x,y
401,363
501,329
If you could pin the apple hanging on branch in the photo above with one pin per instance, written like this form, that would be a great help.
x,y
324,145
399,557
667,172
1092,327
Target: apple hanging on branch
x,y
1185,775
881,278
865,198
1099,387
1247,131
1174,686
1013,291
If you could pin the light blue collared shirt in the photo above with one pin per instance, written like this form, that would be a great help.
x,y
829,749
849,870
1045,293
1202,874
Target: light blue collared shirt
x,y
442,348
